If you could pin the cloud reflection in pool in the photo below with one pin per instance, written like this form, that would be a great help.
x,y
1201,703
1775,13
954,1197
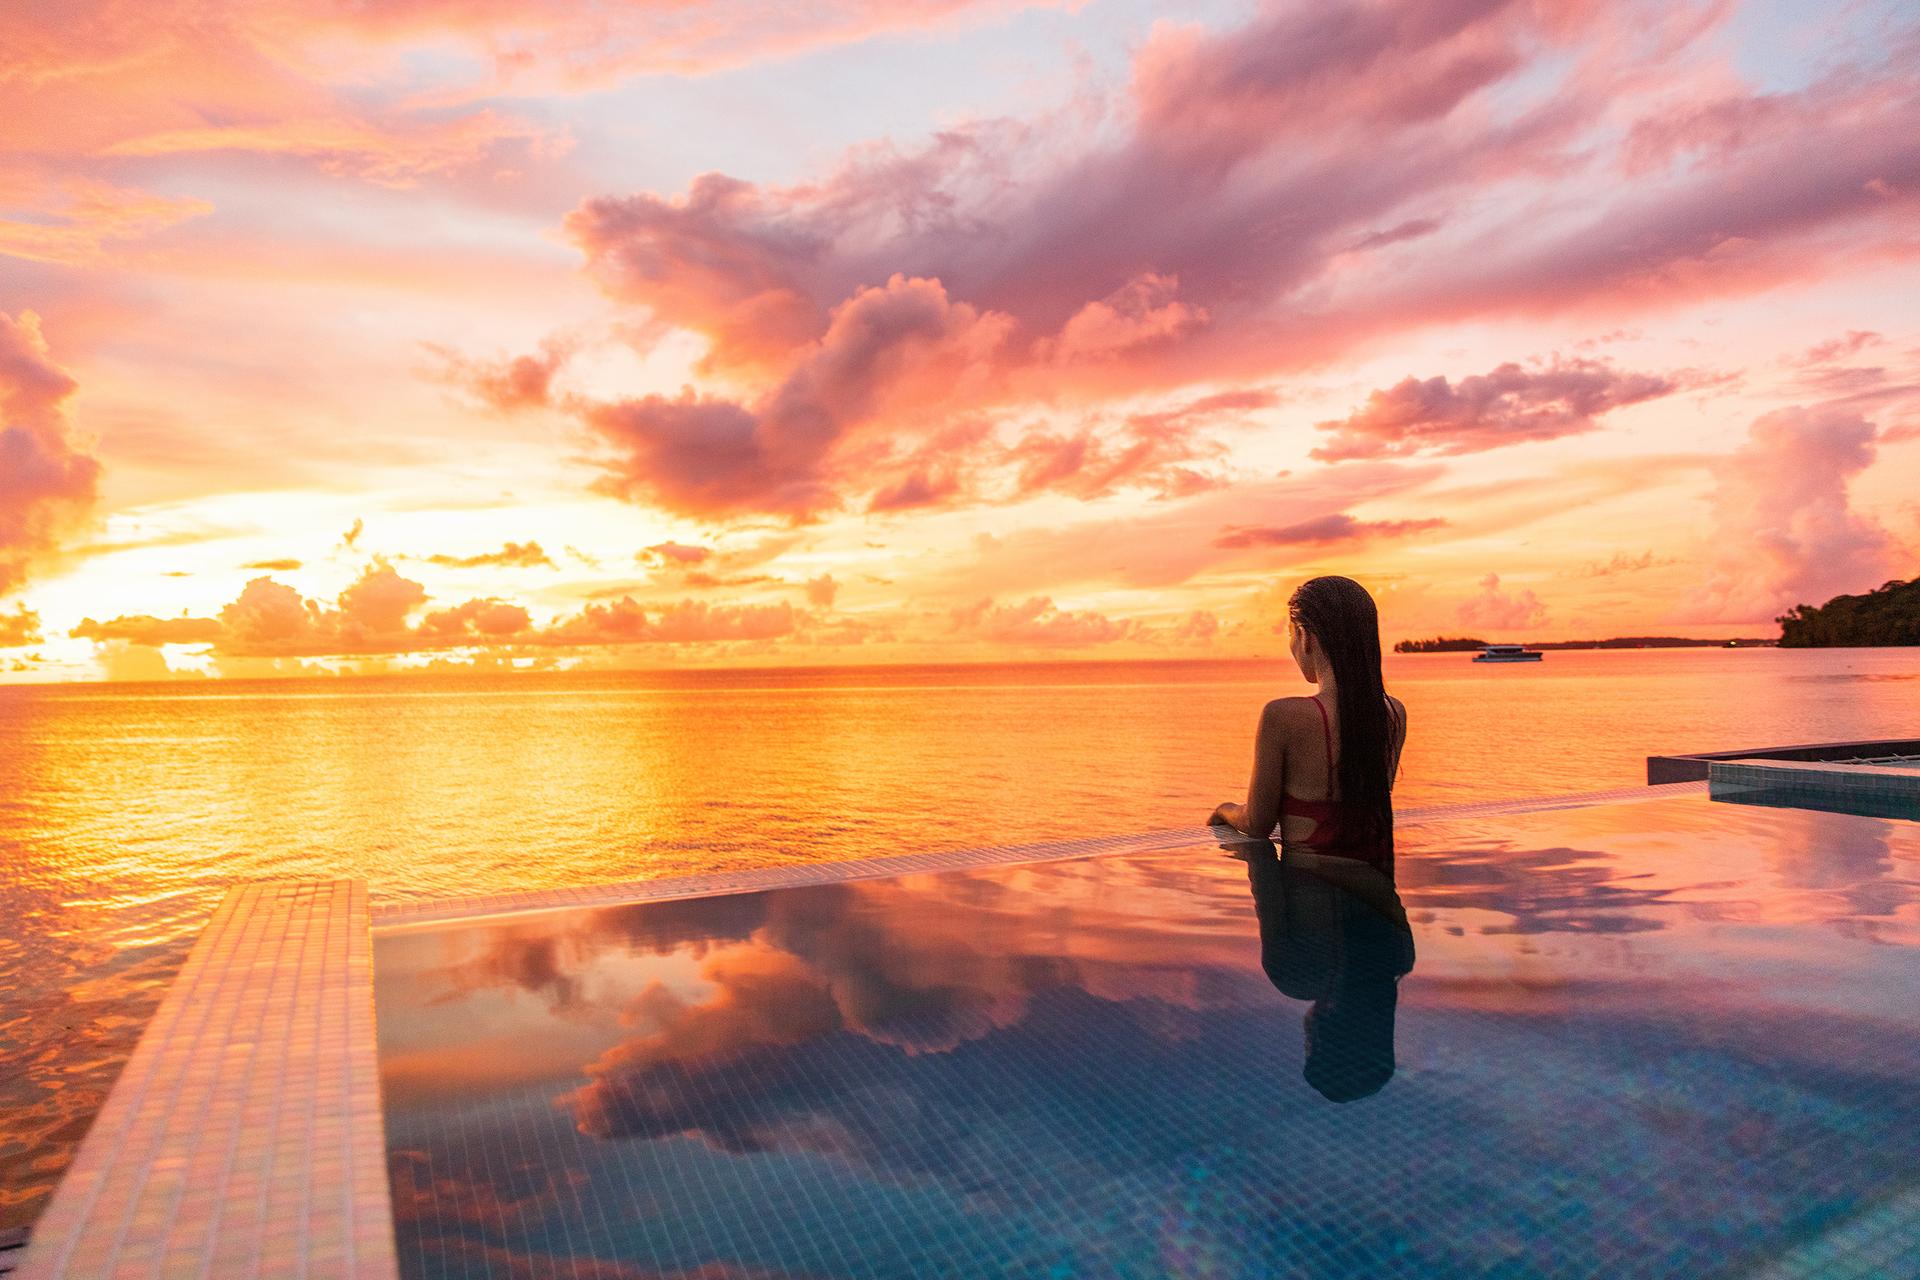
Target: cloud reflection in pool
x,y
1663,1035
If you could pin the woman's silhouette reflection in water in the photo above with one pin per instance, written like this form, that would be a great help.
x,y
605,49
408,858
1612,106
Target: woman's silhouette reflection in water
x,y
1333,932
1332,929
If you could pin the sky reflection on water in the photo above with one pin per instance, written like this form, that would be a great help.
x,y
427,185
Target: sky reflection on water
x,y
1667,1034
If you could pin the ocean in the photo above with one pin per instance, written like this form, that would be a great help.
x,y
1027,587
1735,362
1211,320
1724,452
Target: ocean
x,y
125,810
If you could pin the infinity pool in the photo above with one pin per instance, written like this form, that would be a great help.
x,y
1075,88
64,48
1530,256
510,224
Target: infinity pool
x,y
1661,1038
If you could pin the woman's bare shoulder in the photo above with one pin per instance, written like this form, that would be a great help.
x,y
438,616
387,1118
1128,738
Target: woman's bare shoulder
x,y
1283,714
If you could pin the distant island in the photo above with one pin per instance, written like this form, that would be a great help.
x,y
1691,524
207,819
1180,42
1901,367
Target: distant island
x,y
1887,615
1439,644
1465,644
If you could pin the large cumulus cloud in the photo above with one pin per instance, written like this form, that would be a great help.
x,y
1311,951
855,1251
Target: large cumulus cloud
x,y
1262,199
1785,530
48,481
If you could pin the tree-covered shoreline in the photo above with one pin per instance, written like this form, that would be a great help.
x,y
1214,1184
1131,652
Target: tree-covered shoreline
x,y
1887,615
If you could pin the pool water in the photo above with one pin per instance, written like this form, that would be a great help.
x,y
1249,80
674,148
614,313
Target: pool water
x,y
1661,1038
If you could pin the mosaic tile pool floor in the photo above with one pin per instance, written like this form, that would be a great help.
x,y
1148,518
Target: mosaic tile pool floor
x,y
1667,1038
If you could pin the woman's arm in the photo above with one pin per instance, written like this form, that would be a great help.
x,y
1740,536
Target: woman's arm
x,y
1399,740
1259,815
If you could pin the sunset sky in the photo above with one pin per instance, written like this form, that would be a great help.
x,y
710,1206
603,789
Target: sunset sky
x,y
364,336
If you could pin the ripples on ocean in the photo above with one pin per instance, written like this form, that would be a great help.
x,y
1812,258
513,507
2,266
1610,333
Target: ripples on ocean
x,y
126,810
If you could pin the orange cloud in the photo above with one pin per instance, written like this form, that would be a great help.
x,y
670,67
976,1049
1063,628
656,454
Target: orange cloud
x,y
678,553
523,555
75,217
476,619
373,616
144,630
48,483
21,627
687,622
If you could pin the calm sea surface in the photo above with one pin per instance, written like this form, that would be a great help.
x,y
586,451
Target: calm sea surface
x,y
125,810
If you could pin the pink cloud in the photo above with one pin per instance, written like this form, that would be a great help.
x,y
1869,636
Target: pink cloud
x,y
821,591
1037,622
1198,627
1142,312
1320,531
1622,563
677,553
1785,532
720,261
921,487
1248,212
1510,405
1501,610
1208,408
1152,451
1850,343
888,351
48,482
515,382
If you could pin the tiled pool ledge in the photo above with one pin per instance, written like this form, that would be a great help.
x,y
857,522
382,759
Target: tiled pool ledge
x,y
401,913
245,1136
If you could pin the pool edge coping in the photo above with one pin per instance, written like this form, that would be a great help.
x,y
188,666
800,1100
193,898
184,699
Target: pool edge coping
x,y
406,914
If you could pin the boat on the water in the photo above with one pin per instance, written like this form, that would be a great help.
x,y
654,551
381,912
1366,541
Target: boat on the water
x,y
1507,653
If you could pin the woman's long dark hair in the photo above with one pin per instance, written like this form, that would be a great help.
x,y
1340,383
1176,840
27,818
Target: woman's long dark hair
x,y
1340,616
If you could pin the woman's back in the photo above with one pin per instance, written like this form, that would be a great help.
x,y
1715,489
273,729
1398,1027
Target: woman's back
x,y
1324,766
1312,815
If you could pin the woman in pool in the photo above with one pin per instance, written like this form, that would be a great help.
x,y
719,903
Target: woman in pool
x,y
1323,766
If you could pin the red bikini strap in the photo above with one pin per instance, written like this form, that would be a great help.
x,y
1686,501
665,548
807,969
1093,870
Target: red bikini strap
x,y
1326,731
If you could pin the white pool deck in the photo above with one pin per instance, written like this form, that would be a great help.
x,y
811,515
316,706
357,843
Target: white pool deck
x,y
245,1135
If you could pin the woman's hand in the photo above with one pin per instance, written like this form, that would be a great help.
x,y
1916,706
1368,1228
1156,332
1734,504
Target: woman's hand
x,y
1232,814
